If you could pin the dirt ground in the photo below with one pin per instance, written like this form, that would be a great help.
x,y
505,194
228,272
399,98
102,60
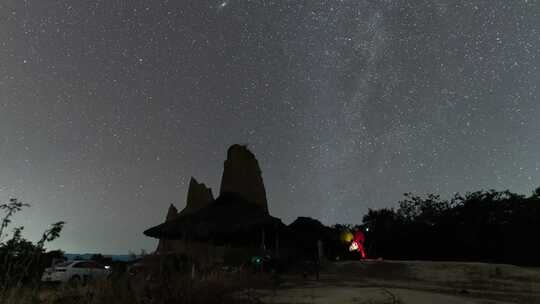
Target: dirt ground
x,y
407,282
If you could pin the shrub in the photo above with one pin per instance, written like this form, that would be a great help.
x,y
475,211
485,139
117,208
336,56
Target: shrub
x,y
21,261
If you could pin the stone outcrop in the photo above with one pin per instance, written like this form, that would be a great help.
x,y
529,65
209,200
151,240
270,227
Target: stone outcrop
x,y
242,175
172,213
166,245
198,197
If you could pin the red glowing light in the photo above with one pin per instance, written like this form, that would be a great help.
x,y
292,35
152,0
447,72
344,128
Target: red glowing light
x,y
357,243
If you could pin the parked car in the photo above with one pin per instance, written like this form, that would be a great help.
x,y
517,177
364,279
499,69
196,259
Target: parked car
x,y
75,272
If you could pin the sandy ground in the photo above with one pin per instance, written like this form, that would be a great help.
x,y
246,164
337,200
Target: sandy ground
x,y
409,282
356,295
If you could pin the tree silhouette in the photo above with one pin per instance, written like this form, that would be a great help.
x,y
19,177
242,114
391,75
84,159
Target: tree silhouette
x,y
22,261
491,226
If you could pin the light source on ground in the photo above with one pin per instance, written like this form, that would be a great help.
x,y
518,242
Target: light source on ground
x,y
357,243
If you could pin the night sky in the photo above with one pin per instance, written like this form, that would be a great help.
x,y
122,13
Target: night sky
x,y
108,107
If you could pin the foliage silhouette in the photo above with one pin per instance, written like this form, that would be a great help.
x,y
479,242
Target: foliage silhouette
x,y
21,261
490,226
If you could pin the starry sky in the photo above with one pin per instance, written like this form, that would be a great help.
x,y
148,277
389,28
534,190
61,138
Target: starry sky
x,y
107,107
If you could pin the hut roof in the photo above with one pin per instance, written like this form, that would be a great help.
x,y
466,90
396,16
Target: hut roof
x,y
228,217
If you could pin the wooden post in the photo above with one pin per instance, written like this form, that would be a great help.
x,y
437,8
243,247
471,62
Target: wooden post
x,y
277,245
320,257
320,250
263,241
263,250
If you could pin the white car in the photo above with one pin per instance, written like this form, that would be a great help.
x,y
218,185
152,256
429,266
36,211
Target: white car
x,y
75,272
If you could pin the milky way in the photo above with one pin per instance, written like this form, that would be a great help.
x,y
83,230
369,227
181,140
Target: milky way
x,y
108,107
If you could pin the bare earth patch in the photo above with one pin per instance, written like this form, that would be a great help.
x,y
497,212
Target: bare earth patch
x,y
411,282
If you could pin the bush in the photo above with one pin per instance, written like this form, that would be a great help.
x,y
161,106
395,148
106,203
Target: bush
x,y
21,261
487,226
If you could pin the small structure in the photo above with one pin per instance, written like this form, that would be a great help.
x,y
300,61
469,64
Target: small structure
x,y
238,220
237,224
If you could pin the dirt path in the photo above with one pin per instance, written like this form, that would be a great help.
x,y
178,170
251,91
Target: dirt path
x,y
360,295
410,283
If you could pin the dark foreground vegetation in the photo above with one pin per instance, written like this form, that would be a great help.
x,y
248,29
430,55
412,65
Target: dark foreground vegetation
x,y
178,288
487,226
21,261
161,279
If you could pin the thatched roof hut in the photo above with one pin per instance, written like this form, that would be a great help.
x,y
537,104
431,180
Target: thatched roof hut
x,y
230,219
